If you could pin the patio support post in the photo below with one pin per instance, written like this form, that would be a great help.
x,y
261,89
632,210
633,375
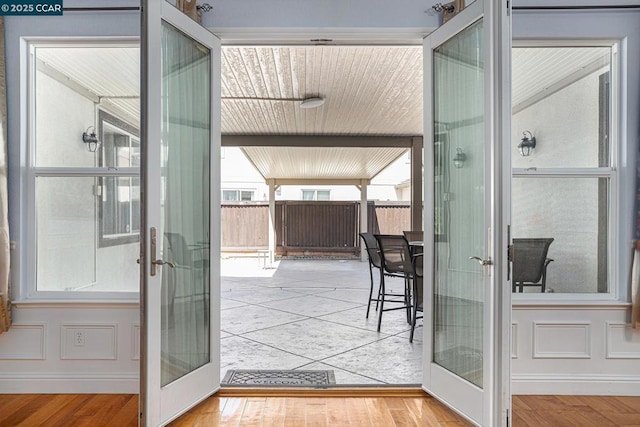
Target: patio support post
x,y
272,221
416,183
364,215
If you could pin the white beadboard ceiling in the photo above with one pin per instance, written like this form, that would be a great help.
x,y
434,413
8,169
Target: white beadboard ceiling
x,y
368,90
321,162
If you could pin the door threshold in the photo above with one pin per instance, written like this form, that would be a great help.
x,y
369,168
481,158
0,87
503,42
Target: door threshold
x,y
331,391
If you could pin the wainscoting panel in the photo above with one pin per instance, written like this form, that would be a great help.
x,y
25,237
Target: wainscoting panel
x,y
562,340
135,342
24,341
89,341
623,342
514,340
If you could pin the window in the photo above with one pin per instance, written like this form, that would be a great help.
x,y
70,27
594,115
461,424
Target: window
x,y
85,197
316,194
562,96
237,195
119,197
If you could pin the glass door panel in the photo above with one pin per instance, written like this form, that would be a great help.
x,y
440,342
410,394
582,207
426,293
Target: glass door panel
x,y
185,154
458,83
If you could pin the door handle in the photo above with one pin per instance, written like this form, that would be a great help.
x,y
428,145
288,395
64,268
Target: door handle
x,y
483,262
154,246
161,262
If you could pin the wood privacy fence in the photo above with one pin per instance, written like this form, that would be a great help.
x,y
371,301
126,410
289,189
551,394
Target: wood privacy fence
x,y
308,227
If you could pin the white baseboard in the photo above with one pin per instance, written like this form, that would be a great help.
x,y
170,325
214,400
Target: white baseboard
x,y
604,385
69,383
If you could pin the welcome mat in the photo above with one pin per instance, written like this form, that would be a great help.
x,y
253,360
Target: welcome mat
x,y
275,378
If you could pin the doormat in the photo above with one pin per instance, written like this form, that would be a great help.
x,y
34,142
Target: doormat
x,y
278,378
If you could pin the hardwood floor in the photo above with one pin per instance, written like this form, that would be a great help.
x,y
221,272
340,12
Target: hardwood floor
x,y
583,411
121,411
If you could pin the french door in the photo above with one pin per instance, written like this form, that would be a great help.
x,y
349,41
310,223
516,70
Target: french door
x,y
181,269
468,299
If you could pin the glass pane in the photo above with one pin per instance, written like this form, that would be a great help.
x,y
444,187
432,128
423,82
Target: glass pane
x,y
69,257
64,112
459,190
574,212
230,195
562,96
246,195
308,194
119,210
324,195
186,71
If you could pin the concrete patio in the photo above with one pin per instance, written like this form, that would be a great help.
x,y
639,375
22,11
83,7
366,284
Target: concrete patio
x,y
310,315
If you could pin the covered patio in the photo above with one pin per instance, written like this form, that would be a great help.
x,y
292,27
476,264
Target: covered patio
x,y
309,314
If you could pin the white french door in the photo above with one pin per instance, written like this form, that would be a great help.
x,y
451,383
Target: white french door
x,y
181,268
468,299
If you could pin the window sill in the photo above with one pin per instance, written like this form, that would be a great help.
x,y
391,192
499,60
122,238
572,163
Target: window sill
x,y
566,303
95,303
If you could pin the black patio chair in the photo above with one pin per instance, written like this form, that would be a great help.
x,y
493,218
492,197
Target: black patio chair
x,y
414,236
396,261
418,290
530,263
375,262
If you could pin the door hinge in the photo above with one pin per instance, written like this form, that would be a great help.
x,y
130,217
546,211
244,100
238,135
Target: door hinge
x,y
509,252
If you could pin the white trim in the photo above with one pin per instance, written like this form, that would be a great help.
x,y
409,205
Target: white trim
x,y
90,303
569,304
69,382
573,384
278,36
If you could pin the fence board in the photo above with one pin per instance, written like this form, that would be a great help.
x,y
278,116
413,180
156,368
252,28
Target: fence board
x,y
308,226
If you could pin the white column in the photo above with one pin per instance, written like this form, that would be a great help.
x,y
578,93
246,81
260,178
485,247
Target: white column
x,y
416,184
272,221
364,226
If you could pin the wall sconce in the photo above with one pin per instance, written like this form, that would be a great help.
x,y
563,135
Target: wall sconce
x,y
90,138
459,159
527,144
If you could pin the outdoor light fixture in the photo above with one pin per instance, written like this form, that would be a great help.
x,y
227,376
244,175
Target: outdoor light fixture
x,y
527,144
459,159
311,102
90,138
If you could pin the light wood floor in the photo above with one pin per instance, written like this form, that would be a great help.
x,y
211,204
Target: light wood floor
x,y
121,411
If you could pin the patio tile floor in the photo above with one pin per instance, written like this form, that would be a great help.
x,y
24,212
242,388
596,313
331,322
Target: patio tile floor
x,y
310,314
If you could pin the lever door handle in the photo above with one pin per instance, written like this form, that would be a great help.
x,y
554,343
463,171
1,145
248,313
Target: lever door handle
x,y
483,262
161,262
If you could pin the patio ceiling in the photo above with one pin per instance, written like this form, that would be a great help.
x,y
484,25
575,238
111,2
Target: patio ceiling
x,y
369,91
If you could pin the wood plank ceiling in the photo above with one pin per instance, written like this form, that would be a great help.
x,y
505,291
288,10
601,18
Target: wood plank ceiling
x,y
367,90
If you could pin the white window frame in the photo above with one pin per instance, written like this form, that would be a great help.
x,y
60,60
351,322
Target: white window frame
x,y
610,173
127,237
239,192
28,289
315,194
